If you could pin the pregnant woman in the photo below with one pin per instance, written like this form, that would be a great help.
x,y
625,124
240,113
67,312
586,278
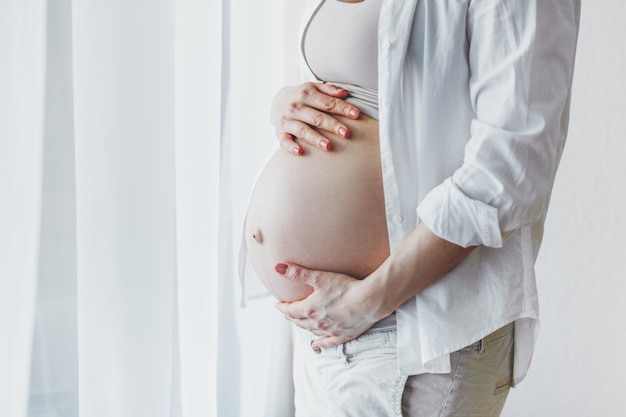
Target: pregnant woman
x,y
399,227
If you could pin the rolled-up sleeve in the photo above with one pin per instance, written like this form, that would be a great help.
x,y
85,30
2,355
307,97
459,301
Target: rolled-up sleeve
x,y
521,58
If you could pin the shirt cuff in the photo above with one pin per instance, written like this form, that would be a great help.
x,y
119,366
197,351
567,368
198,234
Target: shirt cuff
x,y
457,218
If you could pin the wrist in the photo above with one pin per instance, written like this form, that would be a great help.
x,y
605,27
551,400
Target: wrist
x,y
377,297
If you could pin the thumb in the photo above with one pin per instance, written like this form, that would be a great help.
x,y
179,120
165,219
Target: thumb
x,y
296,273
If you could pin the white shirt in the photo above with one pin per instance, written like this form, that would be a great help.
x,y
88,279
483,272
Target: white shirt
x,y
473,105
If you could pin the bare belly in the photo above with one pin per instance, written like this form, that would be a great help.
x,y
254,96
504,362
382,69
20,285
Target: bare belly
x,y
322,210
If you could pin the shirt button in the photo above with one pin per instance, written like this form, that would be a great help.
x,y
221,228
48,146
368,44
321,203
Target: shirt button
x,y
386,45
397,219
389,162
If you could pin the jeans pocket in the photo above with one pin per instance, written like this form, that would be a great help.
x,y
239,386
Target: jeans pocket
x,y
500,350
503,386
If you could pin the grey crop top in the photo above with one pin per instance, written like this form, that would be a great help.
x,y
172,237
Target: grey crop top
x,y
340,46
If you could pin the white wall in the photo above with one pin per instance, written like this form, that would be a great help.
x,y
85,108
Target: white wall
x,y
577,369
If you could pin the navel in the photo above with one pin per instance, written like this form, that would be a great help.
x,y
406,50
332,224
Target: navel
x,y
257,235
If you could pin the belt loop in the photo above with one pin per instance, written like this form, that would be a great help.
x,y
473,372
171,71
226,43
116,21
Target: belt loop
x,y
481,346
343,353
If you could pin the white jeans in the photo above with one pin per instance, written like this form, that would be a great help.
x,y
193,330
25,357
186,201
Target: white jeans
x,y
360,378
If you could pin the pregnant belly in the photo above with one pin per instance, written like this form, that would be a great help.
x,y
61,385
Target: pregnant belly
x,y
322,210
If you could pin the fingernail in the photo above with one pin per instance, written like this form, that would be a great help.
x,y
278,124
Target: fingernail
x,y
354,113
324,144
295,150
343,132
281,268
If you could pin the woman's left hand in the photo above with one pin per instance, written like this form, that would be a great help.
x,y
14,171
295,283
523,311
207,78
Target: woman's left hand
x,y
337,310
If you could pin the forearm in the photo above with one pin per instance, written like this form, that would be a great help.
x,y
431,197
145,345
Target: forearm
x,y
419,261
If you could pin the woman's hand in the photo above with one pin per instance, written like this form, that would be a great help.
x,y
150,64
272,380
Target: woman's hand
x,y
337,310
305,110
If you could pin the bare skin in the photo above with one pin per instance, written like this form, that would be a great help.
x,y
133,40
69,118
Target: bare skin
x,y
297,109
341,307
312,209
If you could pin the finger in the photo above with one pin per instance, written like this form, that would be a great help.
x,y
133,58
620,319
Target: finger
x,y
298,274
328,98
333,105
332,90
288,310
294,312
298,312
318,333
328,341
312,326
323,121
305,132
287,143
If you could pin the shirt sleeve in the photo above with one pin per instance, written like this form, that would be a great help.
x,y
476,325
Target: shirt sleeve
x,y
520,56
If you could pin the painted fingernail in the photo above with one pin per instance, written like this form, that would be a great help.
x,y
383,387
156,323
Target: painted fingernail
x,y
324,144
281,268
343,132
295,150
354,113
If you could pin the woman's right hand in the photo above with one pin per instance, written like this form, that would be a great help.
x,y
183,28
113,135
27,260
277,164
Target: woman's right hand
x,y
305,111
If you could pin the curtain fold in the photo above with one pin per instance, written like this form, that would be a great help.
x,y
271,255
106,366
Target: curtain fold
x,y
125,192
198,113
22,94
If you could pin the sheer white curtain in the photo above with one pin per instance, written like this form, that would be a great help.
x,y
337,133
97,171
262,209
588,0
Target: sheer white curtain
x,y
22,75
171,99
125,207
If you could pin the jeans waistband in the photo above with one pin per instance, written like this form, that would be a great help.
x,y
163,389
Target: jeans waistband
x,y
374,341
